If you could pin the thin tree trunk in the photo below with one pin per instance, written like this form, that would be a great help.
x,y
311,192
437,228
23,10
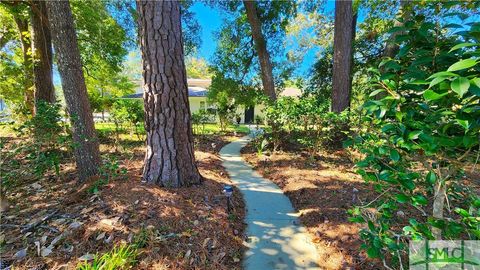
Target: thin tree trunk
x,y
22,25
438,205
391,48
342,57
261,45
42,53
87,155
169,158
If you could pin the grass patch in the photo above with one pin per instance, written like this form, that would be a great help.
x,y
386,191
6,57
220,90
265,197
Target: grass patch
x,y
215,129
211,128
120,257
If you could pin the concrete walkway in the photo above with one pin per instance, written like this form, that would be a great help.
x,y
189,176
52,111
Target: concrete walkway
x,y
276,238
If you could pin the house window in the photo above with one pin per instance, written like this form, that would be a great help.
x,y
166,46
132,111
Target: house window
x,y
202,105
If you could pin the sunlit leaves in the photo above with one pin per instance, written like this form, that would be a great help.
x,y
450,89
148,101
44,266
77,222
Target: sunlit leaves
x,y
463,45
432,95
463,64
433,121
460,86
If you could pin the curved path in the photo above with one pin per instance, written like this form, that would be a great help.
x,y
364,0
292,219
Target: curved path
x,y
276,238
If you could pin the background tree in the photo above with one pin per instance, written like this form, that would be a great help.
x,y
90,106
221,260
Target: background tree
x,y
197,68
12,86
236,52
342,55
261,48
42,53
19,13
103,44
169,159
86,151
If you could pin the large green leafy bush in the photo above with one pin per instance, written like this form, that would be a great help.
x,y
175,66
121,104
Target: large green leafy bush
x,y
420,136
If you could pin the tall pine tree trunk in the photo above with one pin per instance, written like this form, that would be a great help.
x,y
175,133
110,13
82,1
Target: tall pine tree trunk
x,y
87,155
261,46
42,53
343,55
169,158
22,25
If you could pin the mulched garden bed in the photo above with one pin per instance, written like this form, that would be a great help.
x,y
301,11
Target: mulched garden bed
x,y
322,190
186,228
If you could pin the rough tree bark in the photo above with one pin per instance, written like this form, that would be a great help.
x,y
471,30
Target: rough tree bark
x,y
42,53
342,56
391,48
169,158
261,46
87,155
22,25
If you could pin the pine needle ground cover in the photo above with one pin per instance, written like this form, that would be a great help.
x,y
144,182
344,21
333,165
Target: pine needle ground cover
x,y
88,228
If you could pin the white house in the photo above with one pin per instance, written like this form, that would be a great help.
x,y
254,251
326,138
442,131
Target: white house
x,y
197,97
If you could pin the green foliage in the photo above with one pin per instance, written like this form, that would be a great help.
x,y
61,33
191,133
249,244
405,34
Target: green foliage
x,y
260,141
307,122
228,94
200,119
14,65
197,68
191,28
102,42
104,89
235,57
128,111
418,137
44,129
40,152
224,91
120,257
110,170
101,38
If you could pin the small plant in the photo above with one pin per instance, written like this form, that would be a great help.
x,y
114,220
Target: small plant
x,y
127,112
260,141
120,257
200,118
43,149
110,170
141,239
258,120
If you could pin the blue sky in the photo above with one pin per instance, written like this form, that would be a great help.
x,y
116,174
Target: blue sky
x,y
210,19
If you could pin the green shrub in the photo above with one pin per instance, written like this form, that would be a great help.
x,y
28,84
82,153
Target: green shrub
x,y
127,112
43,148
110,170
419,136
306,121
200,119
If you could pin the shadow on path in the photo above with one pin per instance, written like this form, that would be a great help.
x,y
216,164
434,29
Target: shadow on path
x,y
276,239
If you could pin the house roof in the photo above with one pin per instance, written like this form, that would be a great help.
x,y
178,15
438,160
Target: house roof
x,y
198,88
192,92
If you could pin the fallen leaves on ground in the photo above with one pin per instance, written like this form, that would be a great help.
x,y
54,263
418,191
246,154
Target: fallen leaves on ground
x,y
185,228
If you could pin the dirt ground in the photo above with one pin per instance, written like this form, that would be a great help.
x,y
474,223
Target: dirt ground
x,y
321,190
185,228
